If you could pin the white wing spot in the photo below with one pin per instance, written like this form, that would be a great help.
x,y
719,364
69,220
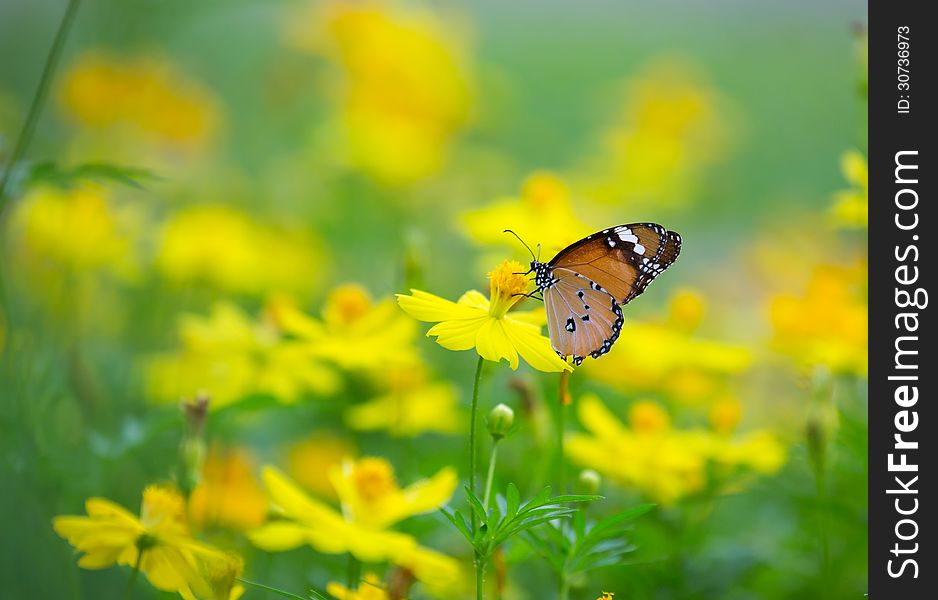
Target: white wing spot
x,y
639,249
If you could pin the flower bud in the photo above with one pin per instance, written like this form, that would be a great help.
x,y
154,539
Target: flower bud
x,y
589,482
192,446
500,420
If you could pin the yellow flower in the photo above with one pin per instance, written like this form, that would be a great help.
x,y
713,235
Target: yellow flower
x,y
403,87
672,125
664,463
147,95
355,332
171,559
371,503
228,495
230,356
725,414
370,589
310,461
606,596
484,324
411,405
673,358
222,247
827,324
543,213
851,206
76,229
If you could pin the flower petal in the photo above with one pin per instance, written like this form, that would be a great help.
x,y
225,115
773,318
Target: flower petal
x,y
458,335
599,420
294,501
429,494
475,299
428,307
378,546
534,347
278,536
536,316
493,344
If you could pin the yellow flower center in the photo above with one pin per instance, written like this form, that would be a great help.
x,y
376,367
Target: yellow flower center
x,y
687,309
507,284
544,190
346,304
374,478
162,506
648,417
725,415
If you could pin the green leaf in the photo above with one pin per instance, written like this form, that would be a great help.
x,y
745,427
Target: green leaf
x,y
571,498
579,524
476,505
315,595
544,548
459,522
279,592
529,524
542,497
513,497
618,519
49,172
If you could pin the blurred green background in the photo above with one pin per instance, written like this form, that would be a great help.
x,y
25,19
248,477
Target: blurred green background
x,y
261,154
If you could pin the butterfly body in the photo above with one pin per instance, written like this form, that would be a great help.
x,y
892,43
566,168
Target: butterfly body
x,y
585,285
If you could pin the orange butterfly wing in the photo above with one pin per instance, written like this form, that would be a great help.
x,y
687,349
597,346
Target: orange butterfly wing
x,y
586,282
623,260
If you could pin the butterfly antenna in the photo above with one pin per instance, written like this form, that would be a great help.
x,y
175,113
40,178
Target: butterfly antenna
x,y
538,259
522,242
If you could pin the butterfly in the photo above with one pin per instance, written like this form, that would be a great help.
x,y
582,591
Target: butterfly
x,y
585,284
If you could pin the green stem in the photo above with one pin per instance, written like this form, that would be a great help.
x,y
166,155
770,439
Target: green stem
x,y
564,592
35,107
129,592
821,488
480,577
561,467
354,572
490,476
474,417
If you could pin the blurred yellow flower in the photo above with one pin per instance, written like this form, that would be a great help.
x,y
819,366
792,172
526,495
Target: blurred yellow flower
x,y
403,86
662,462
725,414
229,356
219,246
159,541
355,332
475,321
371,503
410,405
371,588
673,359
542,214
75,229
671,126
146,94
851,206
311,460
827,323
229,495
